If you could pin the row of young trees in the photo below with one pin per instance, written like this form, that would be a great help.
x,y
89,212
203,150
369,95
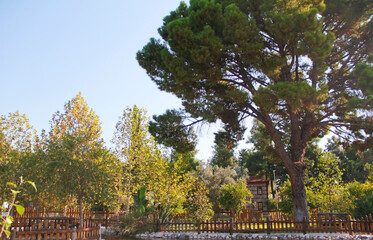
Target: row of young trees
x,y
72,167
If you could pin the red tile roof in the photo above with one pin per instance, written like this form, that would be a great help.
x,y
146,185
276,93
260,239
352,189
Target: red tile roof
x,y
256,180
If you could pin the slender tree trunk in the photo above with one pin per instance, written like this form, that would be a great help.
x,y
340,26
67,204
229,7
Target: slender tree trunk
x,y
80,212
129,190
272,179
273,190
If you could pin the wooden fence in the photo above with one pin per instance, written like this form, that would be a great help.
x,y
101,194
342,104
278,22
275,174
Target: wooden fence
x,y
60,228
105,218
284,225
244,215
251,214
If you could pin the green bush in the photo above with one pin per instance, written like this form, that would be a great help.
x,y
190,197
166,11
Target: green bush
x,y
133,224
360,199
285,203
363,205
234,197
198,205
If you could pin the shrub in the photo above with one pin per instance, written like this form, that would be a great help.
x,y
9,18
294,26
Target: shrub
x,y
132,224
363,205
198,205
234,197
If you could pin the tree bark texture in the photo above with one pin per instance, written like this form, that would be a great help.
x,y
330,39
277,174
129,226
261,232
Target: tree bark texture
x,y
300,205
294,163
80,212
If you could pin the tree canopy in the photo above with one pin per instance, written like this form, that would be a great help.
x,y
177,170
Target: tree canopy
x,y
74,153
145,164
297,66
234,197
17,139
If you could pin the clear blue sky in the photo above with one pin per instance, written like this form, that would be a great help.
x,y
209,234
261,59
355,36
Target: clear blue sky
x,y
52,50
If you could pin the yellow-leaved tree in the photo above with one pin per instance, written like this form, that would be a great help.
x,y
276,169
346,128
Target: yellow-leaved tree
x,y
79,167
146,164
17,138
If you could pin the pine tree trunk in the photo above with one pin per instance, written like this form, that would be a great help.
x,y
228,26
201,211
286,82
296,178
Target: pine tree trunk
x,y
295,166
300,205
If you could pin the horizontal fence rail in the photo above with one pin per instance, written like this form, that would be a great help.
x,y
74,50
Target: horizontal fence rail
x,y
284,225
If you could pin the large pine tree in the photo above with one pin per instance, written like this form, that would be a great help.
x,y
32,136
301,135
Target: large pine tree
x,y
297,66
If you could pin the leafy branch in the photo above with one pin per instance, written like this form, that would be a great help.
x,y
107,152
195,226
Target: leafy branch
x,y
7,220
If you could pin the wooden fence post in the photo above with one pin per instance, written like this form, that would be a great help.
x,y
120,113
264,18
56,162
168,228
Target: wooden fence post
x,y
231,227
349,227
198,228
106,220
304,225
268,226
73,235
13,234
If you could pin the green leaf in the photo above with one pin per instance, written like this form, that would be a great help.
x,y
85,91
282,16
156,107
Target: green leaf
x,y
20,209
11,184
8,221
33,184
7,233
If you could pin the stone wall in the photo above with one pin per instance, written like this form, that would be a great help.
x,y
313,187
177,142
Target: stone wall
x,y
225,236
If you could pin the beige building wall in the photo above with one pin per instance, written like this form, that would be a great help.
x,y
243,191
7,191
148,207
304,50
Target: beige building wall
x,y
259,189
